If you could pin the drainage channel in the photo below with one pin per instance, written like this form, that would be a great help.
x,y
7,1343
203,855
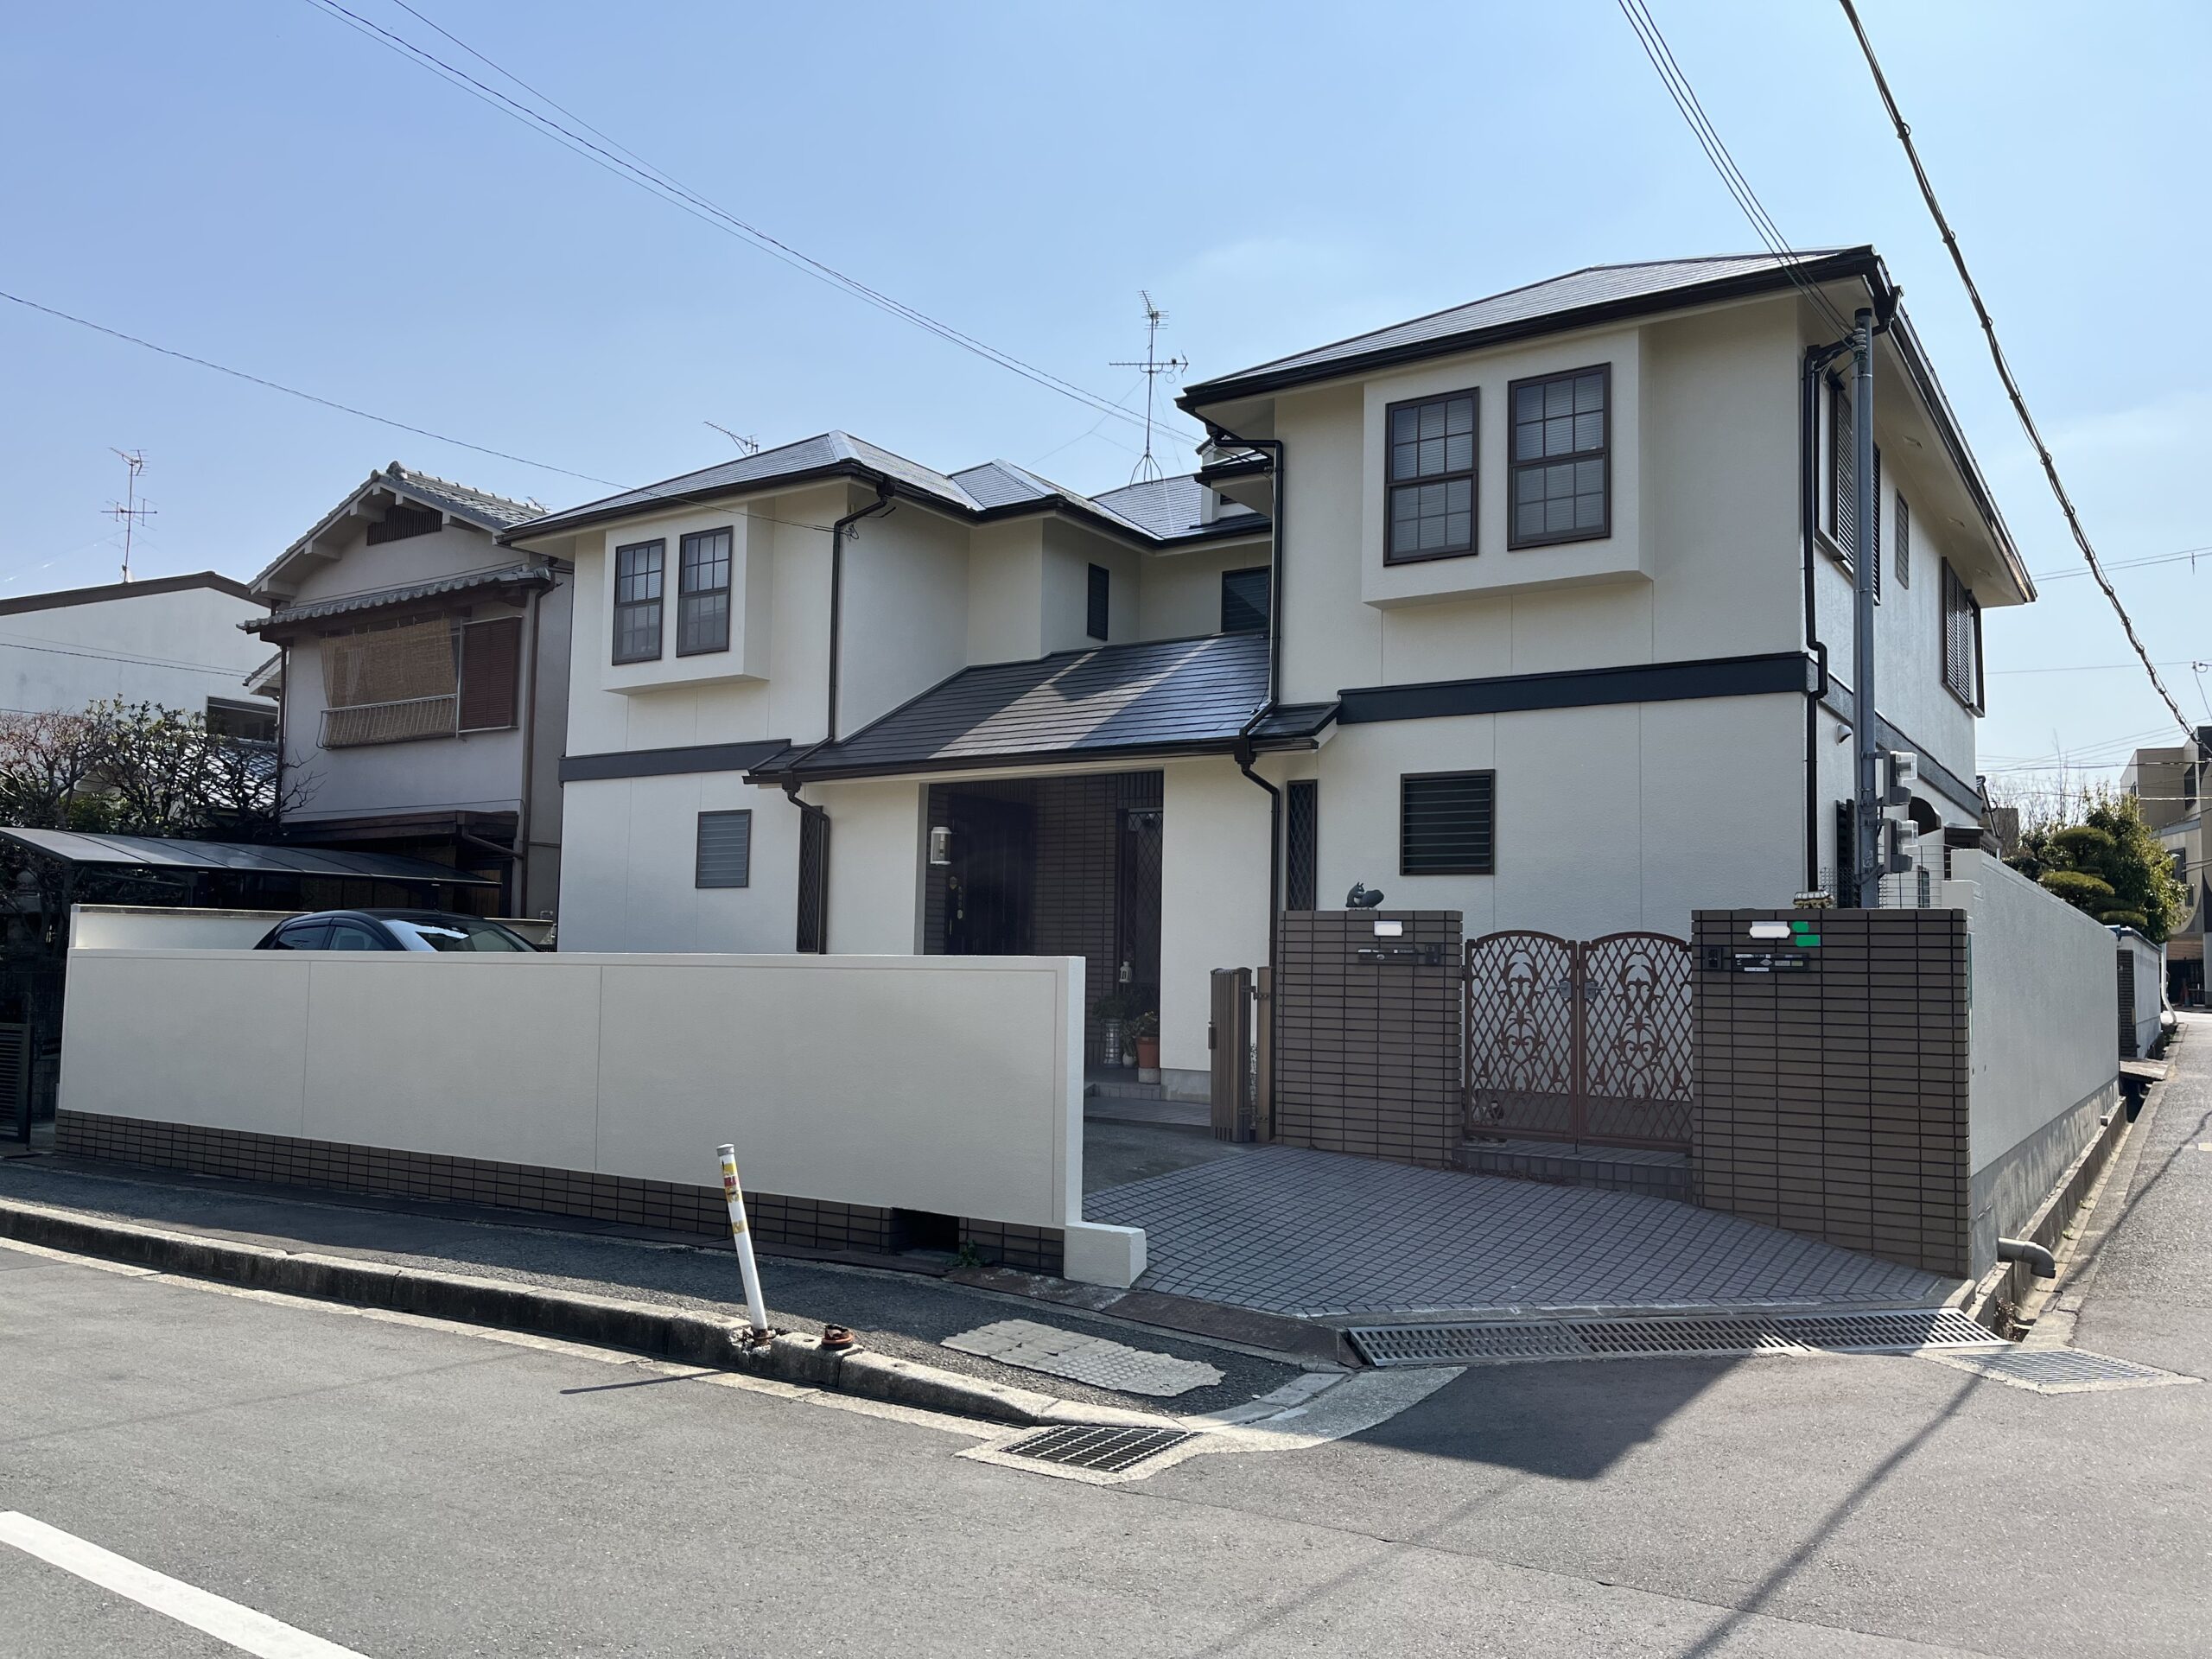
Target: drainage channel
x,y
1880,1332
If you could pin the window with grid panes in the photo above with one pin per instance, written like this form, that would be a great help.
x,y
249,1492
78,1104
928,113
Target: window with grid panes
x,y
1432,478
1561,457
702,594
637,601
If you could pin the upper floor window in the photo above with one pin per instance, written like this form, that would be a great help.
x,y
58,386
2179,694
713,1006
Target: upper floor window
x,y
253,722
1244,600
1962,640
702,595
1562,458
725,850
1904,543
637,601
1431,478
1095,608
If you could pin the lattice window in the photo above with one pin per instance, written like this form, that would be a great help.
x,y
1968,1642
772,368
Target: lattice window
x,y
1301,846
702,595
1431,478
1562,457
638,571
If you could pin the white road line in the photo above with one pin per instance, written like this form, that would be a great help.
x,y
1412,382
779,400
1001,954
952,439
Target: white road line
x,y
241,1627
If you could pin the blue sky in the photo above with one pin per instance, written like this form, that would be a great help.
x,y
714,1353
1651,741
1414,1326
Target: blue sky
x,y
253,181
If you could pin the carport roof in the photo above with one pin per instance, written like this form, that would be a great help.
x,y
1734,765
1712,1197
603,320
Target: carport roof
x,y
163,852
1150,700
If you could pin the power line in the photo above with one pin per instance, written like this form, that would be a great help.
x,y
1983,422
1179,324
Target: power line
x,y
2190,554
627,164
2090,668
2005,369
1686,100
647,492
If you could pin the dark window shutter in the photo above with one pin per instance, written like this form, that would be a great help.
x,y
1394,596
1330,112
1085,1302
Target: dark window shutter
x,y
1302,849
1446,823
813,881
1843,469
1878,525
1244,600
725,849
1847,854
491,656
1904,543
400,523
1095,617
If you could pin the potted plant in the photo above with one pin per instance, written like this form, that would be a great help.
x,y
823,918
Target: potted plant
x,y
1112,1011
1144,1032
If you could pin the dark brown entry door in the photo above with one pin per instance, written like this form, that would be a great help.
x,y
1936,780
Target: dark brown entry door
x,y
1136,888
991,891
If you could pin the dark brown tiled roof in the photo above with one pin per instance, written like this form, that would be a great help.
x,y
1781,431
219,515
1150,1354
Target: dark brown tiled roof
x,y
1159,697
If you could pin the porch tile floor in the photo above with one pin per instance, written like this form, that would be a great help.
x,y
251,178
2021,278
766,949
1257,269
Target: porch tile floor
x,y
1318,1235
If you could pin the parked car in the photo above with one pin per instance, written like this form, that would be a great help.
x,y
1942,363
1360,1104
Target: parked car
x,y
390,929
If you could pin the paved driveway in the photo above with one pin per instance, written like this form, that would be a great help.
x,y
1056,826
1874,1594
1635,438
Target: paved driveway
x,y
1318,1234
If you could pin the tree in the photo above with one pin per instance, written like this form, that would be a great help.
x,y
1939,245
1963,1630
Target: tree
x,y
131,769
2108,863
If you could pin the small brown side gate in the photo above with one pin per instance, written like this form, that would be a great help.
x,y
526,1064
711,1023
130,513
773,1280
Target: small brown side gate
x,y
1583,1040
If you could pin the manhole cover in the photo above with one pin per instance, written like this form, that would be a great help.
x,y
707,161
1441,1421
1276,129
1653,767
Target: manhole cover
x,y
1085,1358
2060,1370
1106,1450
1882,1331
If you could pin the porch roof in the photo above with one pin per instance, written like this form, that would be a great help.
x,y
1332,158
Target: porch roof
x,y
1146,701
162,852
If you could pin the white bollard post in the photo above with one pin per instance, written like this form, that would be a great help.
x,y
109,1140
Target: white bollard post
x,y
756,1308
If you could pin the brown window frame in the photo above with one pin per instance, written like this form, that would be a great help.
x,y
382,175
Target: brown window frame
x,y
1968,611
658,547
1472,472
684,595
1489,867
1514,539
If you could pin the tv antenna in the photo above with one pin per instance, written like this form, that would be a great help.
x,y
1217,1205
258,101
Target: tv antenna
x,y
132,511
1154,367
750,446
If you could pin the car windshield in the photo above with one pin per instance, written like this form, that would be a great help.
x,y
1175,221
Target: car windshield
x,y
454,933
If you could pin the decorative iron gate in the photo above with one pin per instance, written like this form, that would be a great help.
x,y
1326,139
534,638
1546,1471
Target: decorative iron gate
x,y
1579,1041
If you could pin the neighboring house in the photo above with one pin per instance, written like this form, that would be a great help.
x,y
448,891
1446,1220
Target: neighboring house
x,y
171,640
2169,784
424,671
1543,641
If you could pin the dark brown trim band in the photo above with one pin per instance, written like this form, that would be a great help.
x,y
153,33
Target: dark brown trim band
x,y
1589,688
668,763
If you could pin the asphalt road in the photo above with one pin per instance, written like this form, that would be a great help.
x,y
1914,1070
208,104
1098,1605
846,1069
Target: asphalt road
x,y
403,1490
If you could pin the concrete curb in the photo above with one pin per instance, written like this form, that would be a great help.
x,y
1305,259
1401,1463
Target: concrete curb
x,y
685,1336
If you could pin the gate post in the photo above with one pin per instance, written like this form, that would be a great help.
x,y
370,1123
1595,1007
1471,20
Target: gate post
x,y
1263,1073
1229,1034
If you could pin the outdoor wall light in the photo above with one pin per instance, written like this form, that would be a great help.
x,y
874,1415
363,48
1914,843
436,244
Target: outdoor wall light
x,y
940,844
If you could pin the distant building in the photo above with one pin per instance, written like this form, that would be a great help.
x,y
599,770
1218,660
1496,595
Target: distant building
x,y
424,676
2169,784
172,641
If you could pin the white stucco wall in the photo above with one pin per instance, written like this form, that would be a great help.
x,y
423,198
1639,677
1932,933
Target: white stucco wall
x,y
176,649
1182,596
631,867
946,1085
1213,896
875,865
1607,818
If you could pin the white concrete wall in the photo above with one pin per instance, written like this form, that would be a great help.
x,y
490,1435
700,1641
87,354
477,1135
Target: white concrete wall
x,y
2044,1051
875,865
175,649
945,1085
2150,985
99,927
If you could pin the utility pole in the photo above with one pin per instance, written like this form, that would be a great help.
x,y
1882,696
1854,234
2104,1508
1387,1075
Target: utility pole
x,y
1154,367
1866,723
129,510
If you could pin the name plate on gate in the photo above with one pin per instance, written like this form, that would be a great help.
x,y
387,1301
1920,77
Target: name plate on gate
x,y
1718,960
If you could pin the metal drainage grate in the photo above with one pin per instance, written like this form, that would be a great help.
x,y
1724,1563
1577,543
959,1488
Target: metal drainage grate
x,y
1890,1332
1104,1451
1897,1331
2061,1370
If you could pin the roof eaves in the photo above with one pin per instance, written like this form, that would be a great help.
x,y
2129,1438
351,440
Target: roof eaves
x,y
1831,267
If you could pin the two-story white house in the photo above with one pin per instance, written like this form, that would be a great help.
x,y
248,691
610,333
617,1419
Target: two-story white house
x,y
1537,609
422,672
172,641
